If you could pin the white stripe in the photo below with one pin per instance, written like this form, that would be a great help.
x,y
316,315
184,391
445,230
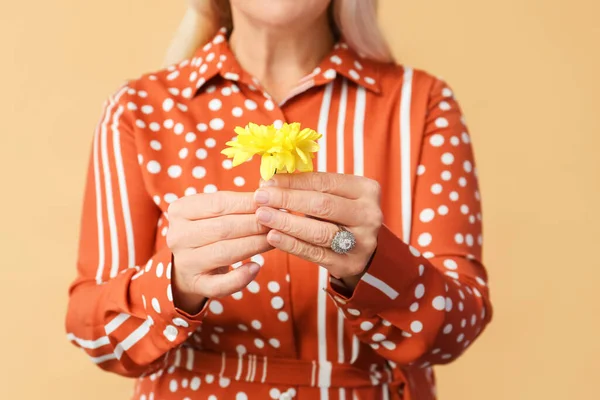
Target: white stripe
x,y
104,358
189,363
405,181
385,391
223,361
354,395
115,323
240,366
249,368
324,374
381,285
264,373
342,394
110,208
99,218
123,189
359,130
355,349
133,338
313,374
341,126
89,344
340,336
177,358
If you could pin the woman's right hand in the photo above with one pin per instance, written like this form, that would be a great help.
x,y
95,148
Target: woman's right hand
x,y
202,7
207,234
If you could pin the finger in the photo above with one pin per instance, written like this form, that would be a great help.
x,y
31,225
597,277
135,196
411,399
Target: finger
x,y
321,205
227,252
208,231
221,285
313,231
201,206
348,186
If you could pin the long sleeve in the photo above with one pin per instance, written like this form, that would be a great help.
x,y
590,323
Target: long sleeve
x,y
425,302
121,309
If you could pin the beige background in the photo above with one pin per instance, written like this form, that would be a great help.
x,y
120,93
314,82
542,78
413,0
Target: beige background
x,y
526,72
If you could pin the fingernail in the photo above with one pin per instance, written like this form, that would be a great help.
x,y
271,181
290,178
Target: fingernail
x,y
253,268
269,183
261,197
264,216
275,237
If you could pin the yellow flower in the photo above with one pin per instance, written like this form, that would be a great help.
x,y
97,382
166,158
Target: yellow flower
x,y
286,149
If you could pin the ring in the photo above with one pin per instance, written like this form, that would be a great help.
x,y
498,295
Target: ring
x,y
343,241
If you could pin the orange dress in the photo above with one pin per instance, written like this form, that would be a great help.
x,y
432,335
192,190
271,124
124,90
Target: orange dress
x,y
290,334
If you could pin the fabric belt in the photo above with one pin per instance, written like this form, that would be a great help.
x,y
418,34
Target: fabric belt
x,y
281,371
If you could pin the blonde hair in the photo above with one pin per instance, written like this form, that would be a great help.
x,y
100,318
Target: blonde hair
x,y
354,20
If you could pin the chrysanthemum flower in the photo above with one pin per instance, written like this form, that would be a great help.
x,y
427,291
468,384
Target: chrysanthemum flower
x,y
286,149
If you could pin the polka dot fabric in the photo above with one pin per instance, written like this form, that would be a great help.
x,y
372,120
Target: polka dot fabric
x,y
295,332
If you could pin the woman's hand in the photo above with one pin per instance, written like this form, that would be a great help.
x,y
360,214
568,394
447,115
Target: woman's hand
x,y
208,233
202,7
332,200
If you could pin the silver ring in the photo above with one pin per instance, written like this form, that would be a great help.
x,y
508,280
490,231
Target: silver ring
x,y
343,241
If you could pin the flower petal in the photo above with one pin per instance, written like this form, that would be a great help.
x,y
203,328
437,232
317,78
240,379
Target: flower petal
x,y
268,165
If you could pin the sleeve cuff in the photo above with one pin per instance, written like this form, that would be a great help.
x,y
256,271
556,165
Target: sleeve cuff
x,y
392,272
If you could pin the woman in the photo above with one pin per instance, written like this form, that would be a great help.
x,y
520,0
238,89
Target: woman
x,y
166,215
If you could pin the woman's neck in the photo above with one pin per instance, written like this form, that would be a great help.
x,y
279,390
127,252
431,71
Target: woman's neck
x,y
279,58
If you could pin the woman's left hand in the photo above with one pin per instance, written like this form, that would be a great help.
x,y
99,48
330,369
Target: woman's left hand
x,y
332,200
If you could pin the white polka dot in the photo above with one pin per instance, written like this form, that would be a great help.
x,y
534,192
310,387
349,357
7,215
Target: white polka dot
x,y
187,92
446,175
180,322
424,239
199,172
468,167
143,94
253,287
239,181
274,393
195,383
282,316
452,274
420,170
441,122
436,188
244,328
421,269
215,307
443,210
366,325
447,158
461,306
168,105
455,141
241,396
227,164
178,128
256,324
215,105
231,76
444,106
155,127
183,153
170,198
131,106
140,124
159,270
378,337
155,145
250,105
447,92
450,264
439,303
140,159
269,105
277,302
237,295
210,143
169,293
354,75
215,338
414,307
388,345
427,215
464,209
479,239
473,320
416,326
169,123
436,140
453,196
174,171
210,189
170,333
275,343
173,385
259,343
201,154
147,109
216,124
153,167
465,138
462,181
447,329
173,75
336,59
209,379
273,287
190,137
353,311
469,240
428,254
156,305
237,112
330,74
414,251
419,291
459,238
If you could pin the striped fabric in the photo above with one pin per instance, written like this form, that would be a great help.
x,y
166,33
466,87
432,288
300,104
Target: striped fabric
x,y
291,333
